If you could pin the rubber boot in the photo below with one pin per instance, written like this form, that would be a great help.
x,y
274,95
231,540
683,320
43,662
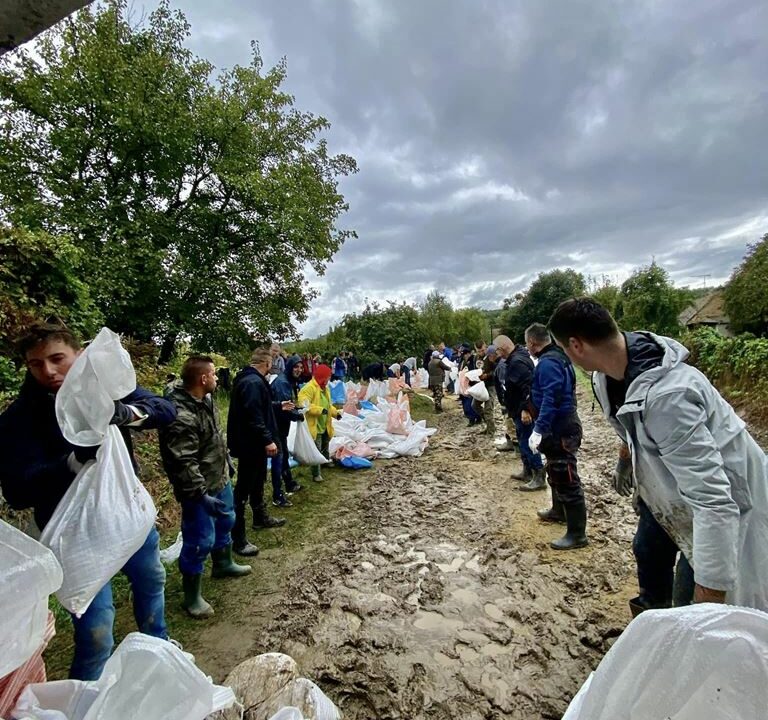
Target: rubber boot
x,y
224,566
240,542
193,603
507,446
555,514
262,519
576,519
537,481
525,474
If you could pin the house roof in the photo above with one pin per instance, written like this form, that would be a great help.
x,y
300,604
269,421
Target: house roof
x,y
707,310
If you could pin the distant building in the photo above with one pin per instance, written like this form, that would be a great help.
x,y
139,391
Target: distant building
x,y
707,311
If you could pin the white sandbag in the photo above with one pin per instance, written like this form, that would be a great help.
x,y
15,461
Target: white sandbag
x,y
304,449
172,553
701,662
103,519
29,573
473,376
424,376
288,713
145,679
479,392
101,374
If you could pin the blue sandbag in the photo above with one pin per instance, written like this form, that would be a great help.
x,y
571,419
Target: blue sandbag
x,y
355,463
338,393
367,405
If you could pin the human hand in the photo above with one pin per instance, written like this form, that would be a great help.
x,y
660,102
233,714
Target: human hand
x,y
123,414
287,405
84,454
703,594
534,441
525,416
271,450
623,480
213,506
325,411
300,418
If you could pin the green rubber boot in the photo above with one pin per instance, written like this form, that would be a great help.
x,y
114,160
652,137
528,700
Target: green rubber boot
x,y
194,603
224,566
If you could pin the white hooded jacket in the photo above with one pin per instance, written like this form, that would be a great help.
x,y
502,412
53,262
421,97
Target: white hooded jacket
x,y
700,472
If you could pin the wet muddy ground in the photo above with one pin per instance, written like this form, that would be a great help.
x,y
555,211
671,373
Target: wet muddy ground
x,y
438,595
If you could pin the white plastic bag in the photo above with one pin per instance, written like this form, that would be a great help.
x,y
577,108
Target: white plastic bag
x,y
304,449
145,679
172,552
103,519
479,392
101,374
701,662
29,573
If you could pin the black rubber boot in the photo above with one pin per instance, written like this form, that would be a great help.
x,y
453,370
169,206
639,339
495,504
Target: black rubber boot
x,y
576,519
194,603
240,542
555,514
262,519
537,482
224,566
525,474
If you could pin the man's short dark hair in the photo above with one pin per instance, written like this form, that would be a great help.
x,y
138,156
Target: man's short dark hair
x,y
194,366
582,318
538,333
44,332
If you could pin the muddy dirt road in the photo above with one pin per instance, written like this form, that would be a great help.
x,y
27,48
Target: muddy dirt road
x,y
436,594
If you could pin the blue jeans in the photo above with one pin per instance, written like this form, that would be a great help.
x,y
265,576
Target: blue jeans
x,y
469,411
202,533
93,631
277,473
524,432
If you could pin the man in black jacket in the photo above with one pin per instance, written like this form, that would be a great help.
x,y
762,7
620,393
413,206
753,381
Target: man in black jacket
x,y
38,466
518,377
252,436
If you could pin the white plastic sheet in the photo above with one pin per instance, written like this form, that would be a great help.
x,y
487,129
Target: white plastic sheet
x,y
103,519
702,662
29,573
172,553
145,679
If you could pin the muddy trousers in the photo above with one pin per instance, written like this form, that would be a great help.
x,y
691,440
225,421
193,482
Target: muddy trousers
x,y
530,459
321,442
486,410
93,630
202,533
561,447
437,396
662,585
251,477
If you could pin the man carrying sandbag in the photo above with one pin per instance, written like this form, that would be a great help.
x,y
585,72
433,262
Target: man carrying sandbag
x,y
253,436
697,468
315,396
196,460
38,466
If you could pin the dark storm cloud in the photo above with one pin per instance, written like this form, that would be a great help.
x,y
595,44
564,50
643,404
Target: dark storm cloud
x,y
497,139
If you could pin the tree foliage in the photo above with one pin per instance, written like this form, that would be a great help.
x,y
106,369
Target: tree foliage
x,y
540,300
649,301
746,294
197,205
471,325
438,317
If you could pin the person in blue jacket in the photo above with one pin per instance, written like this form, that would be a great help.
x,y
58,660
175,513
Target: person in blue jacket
x,y
557,433
285,388
39,465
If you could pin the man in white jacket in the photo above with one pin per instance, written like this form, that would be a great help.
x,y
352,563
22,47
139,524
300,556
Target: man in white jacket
x,y
696,466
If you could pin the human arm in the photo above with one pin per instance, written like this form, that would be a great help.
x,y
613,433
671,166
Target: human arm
x,y
179,449
152,410
677,422
305,399
623,480
551,381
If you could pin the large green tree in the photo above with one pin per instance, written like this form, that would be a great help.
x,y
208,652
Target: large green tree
x,y
649,301
471,325
438,318
746,294
539,301
197,204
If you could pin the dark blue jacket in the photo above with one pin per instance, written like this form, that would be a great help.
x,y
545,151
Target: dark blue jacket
x,y
553,392
285,387
518,379
251,424
33,452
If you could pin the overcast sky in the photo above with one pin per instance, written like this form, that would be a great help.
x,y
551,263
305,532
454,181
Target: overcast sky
x,y
497,139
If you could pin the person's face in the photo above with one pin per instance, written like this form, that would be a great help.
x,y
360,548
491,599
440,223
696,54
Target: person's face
x,y
502,352
264,366
581,353
322,382
49,363
441,347
275,350
298,368
208,380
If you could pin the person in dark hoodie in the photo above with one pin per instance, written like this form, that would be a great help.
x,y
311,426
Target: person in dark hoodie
x,y
39,465
252,437
285,388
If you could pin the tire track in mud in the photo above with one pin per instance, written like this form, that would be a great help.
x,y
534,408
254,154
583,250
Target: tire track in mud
x,y
445,600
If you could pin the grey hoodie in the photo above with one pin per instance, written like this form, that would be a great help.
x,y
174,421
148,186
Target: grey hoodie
x,y
700,472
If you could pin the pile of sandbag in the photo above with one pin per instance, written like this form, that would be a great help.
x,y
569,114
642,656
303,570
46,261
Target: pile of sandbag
x,y
384,430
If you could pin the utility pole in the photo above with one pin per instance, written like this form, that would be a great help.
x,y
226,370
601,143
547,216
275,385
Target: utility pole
x,y
704,278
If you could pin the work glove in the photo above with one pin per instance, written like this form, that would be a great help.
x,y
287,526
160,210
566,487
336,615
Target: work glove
x,y
123,414
534,441
213,506
623,480
84,454
325,411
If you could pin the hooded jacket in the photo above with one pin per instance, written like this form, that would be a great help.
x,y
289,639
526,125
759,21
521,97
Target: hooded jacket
x,y
698,469
309,396
193,448
251,424
286,387
553,390
34,471
518,378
